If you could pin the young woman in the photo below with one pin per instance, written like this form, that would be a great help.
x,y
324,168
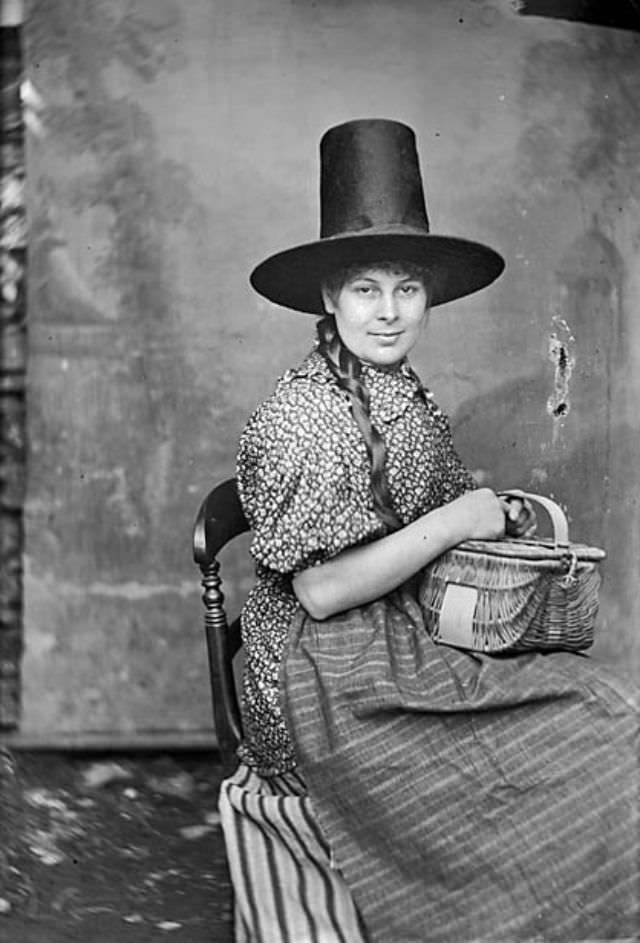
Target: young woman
x,y
390,789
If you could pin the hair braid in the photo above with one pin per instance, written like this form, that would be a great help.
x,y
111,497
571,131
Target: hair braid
x,y
347,370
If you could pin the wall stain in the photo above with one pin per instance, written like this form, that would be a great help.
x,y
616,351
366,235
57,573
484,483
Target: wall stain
x,y
131,407
575,134
561,355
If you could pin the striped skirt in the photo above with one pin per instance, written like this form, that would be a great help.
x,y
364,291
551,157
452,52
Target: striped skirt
x,y
286,889
467,798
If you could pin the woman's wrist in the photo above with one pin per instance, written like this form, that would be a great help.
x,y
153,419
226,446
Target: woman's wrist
x,y
444,528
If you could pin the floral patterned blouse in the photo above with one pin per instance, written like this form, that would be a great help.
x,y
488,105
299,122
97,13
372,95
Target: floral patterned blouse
x,y
303,478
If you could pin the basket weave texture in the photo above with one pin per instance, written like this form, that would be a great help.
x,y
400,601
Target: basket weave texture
x,y
514,595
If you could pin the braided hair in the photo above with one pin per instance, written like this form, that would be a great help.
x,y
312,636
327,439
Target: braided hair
x,y
347,369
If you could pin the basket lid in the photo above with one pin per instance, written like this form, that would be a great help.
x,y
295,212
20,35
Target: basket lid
x,y
533,549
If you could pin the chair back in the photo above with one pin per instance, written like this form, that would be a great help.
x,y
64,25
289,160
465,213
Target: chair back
x,y
219,520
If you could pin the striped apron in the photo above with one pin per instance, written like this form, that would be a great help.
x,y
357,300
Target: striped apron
x,y
286,889
467,798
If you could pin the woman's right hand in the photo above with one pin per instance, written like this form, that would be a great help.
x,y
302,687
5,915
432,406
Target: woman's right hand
x,y
475,515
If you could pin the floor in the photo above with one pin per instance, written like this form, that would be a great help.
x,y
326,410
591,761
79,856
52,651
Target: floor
x,y
111,849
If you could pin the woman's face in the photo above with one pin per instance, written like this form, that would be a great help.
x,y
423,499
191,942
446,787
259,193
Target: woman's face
x,y
379,314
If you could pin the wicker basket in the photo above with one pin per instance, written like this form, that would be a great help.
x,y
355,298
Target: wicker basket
x,y
514,595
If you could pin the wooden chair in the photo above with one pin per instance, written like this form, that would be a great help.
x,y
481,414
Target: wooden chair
x,y
219,520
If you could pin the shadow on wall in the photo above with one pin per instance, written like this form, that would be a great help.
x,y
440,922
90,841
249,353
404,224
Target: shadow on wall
x,y
564,430
621,15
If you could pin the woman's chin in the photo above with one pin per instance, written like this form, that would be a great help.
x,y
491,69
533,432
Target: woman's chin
x,y
384,356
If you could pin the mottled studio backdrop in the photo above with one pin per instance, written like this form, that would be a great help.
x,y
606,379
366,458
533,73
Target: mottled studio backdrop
x,y
180,149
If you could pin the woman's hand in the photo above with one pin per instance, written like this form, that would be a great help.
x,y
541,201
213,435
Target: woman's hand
x,y
520,518
476,515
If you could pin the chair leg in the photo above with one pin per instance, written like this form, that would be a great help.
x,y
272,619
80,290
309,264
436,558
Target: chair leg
x,y
226,712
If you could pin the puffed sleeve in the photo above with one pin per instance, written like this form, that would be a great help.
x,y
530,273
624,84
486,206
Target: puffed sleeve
x,y
304,501
456,479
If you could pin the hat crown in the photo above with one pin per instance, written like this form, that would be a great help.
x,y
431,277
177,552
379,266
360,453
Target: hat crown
x,y
370,179
372,210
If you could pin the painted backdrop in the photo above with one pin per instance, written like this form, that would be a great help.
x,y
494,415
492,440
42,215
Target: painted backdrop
x,y
180,148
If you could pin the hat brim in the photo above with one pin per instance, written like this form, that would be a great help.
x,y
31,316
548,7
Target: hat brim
x,y
293,278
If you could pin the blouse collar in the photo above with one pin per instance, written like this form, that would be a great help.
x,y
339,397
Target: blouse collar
x,y
391,391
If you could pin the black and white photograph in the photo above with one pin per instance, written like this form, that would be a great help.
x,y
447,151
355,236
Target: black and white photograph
x,y
320,471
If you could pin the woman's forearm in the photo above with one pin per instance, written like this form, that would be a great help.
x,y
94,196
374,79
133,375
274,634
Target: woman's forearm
x,y
362,574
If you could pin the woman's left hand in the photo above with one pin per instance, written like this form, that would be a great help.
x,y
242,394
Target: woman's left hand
x,y
520,518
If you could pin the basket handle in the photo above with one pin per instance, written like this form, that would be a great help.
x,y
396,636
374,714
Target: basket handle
x,y
555,512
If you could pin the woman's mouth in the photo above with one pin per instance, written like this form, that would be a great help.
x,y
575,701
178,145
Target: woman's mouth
x,y
386,336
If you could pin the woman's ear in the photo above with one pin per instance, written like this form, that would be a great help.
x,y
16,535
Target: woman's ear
x,y
327,301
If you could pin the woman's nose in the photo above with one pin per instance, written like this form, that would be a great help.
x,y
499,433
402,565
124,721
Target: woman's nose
x,y
388,309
